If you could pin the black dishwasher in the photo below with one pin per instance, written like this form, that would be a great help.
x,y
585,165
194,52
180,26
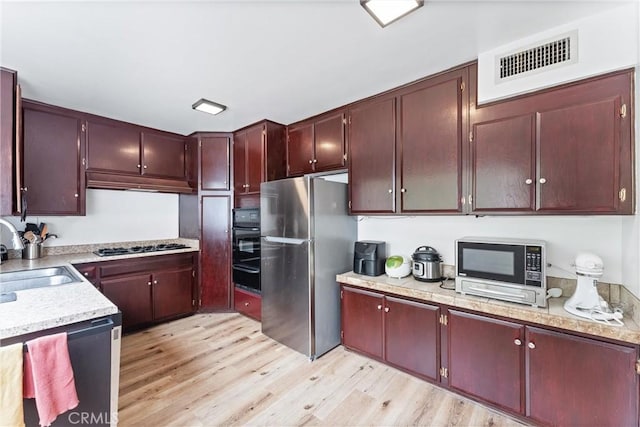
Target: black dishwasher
x,y
90,345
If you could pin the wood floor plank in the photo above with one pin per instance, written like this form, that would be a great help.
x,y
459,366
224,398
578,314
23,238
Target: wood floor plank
x,y
218,369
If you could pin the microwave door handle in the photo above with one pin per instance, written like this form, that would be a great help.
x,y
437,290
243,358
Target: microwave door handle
x,y
489,291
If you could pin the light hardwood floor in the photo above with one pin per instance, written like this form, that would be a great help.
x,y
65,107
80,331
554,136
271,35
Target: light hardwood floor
x,y
220,370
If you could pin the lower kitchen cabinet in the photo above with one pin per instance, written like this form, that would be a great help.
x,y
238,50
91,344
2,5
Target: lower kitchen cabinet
x,y
400,332
147,290
548,376
486,359
580,381
247,303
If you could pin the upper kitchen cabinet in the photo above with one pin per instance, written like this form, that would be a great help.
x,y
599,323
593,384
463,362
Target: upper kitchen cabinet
x,y
53,141
215,156
258,156
432,116
566,150
372,135
125,156
317,145
9,98
406,151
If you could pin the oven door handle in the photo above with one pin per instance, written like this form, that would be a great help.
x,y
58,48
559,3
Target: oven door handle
x,y
251,270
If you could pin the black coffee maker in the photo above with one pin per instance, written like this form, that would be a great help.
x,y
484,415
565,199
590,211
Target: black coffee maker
x,y
369,257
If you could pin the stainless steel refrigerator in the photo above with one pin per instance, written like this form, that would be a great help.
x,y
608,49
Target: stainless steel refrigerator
x,y
307,238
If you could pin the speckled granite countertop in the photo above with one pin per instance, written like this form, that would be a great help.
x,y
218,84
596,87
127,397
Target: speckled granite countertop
x,y
553,315
49,307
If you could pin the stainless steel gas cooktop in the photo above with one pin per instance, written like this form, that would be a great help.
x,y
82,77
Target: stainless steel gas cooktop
x,y
139,249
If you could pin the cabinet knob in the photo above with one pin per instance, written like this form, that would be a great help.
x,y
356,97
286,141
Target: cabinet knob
x,y
528,181
145,166
386,309
149,283
379,306
75,195
542,180
86,273
390,191
246,304
531,345
138,166
155,282
403,190
315,160
517,341
310,161
23,189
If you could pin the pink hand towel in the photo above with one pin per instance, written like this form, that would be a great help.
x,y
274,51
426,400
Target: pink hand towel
x,y
49,377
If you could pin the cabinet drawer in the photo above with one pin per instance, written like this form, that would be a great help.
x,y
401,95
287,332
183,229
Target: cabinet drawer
x,y
88,271
247,303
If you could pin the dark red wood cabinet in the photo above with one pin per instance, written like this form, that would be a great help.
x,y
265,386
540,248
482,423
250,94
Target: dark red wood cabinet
x,y
215,252
400,332
317,144
431,117
372,136
147,290
8,149
215,156
486,359
565,150
113,147
258,156
53,141
580,381
163,155
247,303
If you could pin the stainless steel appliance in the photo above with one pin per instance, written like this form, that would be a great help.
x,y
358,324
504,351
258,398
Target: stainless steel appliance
x,y
501,268
246,248
426,264
307,238
369,257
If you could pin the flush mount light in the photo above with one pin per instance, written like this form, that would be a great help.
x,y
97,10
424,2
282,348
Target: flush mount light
x,y
207,106
387,11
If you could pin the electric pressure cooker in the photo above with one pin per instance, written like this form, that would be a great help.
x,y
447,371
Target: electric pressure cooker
x,y
426,264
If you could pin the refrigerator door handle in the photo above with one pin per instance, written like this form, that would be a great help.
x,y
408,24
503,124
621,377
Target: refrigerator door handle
x,y
286,240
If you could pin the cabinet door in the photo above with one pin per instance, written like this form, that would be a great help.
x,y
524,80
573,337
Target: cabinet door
x,y
503,165
214,162
255,159
371,157
580,381
52,172
132,295
163,155
7,140
431,146
485,360
329,142
216,252
579,157
113,147
172,293
300,150
240,162
362,321
412,336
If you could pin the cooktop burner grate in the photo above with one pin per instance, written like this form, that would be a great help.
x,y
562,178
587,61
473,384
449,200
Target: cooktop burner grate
x,y
139,249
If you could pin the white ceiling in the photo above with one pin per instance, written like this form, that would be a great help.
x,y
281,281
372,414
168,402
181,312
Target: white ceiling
x,y
147,62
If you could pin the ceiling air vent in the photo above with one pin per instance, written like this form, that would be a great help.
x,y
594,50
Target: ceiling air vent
x,y
549,54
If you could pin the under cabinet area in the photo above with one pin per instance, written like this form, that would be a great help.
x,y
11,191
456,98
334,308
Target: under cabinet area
x,y
547,376
147,290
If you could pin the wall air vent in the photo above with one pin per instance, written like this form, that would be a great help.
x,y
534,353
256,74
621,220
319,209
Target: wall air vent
x,y
553,53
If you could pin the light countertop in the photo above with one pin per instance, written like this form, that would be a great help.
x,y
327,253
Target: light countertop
x,y
553,315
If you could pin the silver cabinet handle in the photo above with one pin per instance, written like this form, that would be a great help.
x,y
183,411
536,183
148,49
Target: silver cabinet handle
x,y
379,306
149,283
145,166
310,161
403,190
386,309
315,160
155,282
390,191
246,304
138,166
75,195
528,181
542,180
531,345
517,342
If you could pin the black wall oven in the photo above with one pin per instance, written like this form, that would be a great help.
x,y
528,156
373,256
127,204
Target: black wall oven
x,y
246,248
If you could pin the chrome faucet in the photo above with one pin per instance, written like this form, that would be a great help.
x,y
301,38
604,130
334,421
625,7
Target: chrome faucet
x,y
17,241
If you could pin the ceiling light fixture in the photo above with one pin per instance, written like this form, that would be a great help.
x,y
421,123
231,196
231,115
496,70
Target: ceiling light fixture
x,y
387,11
207,106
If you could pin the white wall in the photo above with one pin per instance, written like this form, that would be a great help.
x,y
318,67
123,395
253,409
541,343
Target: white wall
x,y
112,216
607,41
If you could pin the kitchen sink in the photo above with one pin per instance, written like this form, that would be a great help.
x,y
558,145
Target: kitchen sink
x,y
39,278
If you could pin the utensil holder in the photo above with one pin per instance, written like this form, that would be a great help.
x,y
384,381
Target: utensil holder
x,y
32,251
